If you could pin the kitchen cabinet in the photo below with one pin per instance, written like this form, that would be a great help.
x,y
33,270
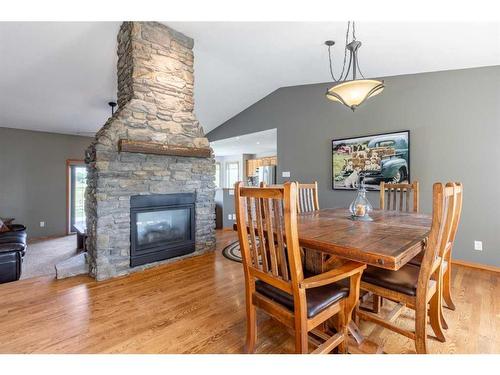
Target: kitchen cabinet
x,y
253,164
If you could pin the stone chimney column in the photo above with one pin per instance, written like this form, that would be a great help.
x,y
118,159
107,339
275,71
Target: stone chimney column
x,y
155,104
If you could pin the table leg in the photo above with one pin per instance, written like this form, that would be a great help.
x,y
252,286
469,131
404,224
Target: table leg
x,y
79,241
355,332
315,263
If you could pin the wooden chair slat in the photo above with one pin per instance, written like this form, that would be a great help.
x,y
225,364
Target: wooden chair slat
x,y
401,192
270,237
281,252
260,230
407,201
388,199
389,196
253,240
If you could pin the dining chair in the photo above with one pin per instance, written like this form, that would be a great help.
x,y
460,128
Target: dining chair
x,y
446,265
447,256
274,277
398,197
413,286
307,197
307,201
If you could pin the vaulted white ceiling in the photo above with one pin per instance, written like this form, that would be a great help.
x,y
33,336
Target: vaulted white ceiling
x,y
260,143
59,77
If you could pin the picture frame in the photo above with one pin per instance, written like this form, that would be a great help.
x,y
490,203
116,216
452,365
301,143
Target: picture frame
x,y
375,158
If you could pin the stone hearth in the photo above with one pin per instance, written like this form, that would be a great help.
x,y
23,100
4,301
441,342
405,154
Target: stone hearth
x,y
155,104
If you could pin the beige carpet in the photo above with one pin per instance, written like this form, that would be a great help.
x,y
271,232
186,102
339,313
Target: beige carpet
x,y
42,255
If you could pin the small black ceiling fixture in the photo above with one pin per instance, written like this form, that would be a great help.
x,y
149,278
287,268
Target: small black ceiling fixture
x,y
112,105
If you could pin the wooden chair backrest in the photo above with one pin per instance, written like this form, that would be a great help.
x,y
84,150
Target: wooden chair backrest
x,y
266,218
403,191
307,197
444,199
458,211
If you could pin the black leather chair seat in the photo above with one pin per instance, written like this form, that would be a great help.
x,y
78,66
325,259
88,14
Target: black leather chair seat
x,y
318,299
417,261
403,281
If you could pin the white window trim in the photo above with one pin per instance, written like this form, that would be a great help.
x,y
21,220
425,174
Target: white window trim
x,y
228,163
219,183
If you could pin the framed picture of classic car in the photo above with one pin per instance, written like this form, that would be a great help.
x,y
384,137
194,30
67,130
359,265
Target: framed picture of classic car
x,y
377,158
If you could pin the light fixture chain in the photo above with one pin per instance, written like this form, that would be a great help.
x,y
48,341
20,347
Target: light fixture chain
x,y
345,57
345,52
359,70
354,38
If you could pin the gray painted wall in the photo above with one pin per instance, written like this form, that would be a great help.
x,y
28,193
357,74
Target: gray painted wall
x,y
454,119
33,178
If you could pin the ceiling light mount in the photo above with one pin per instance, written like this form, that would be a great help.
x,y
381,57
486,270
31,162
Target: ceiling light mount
x,y
112,105
354,92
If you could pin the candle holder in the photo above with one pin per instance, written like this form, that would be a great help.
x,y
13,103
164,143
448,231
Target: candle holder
x,y
361,207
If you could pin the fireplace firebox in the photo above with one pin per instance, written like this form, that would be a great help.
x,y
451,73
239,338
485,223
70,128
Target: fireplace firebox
x,y
162,226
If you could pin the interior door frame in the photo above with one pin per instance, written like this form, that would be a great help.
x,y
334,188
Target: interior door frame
x,y
69,164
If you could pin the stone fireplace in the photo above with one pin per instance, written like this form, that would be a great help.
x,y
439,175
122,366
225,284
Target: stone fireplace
x,y
150,194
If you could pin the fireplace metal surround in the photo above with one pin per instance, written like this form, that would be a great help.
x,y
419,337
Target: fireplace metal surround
x,y
162,226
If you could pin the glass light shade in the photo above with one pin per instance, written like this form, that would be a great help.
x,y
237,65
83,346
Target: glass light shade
x,y
353,93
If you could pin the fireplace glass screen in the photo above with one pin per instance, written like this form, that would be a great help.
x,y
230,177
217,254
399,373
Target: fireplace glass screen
x,y
162,226
165,225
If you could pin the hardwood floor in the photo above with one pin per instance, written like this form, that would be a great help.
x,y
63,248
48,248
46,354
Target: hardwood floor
x,y
170,309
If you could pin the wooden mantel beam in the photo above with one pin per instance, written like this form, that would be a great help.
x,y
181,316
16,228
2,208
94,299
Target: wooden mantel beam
x,y
144,147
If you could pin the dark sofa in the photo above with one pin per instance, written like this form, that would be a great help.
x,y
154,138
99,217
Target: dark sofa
x,y
12,250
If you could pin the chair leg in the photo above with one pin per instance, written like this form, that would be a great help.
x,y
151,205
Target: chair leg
x,y
251,329
421,329
355,314
342,328
301,341
447,287
441,315
435,315
376,304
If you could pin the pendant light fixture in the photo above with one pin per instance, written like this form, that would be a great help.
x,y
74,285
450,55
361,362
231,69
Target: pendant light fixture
x,y
352,93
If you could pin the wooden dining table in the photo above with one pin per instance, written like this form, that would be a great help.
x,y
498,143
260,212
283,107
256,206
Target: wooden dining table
x,y
389,241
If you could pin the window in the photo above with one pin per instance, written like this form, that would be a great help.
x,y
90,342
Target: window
x,y
77,182
232,173
217,175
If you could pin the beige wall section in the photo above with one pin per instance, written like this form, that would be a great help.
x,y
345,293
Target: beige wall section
x,y
33,177
454,120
